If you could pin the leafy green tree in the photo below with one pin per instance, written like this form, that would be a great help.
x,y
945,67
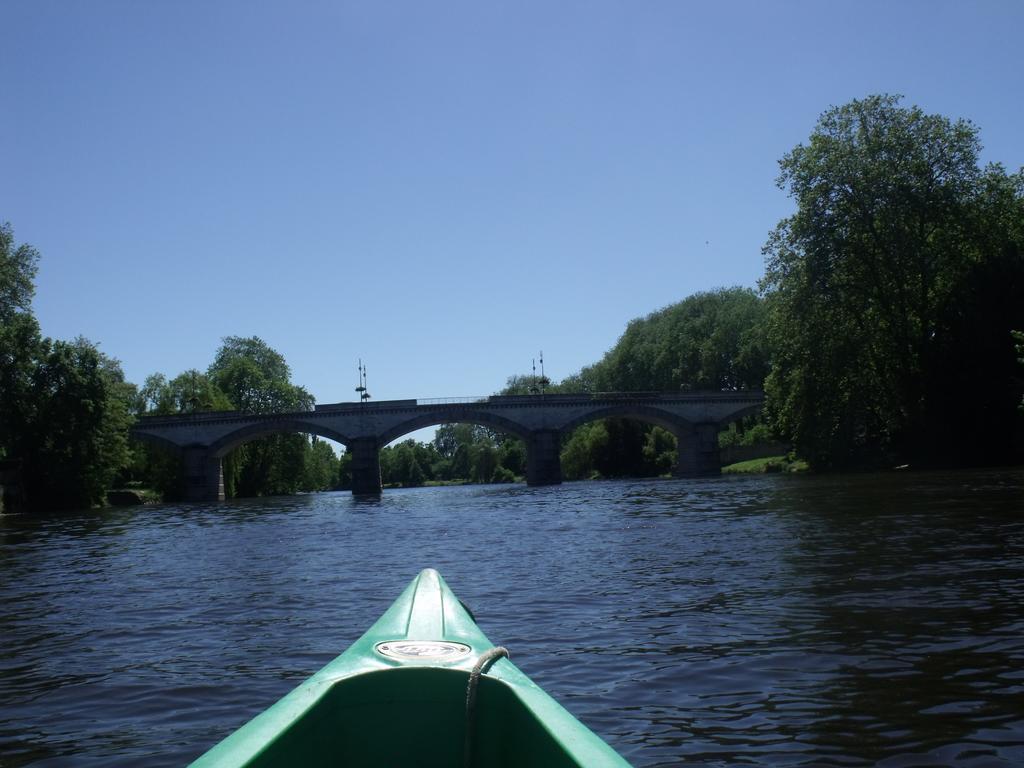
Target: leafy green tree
x,y
20,338
446,440
461,463
972,383
441,468
617,448
748,431
580,451
518,384
473,452
65,408
659,451
150,393
252,349
188,392
79,438
404,467
403,463
512,456
21,346
18,266
484,458
503,475
710,340
897,231
415,476
345,472
256,379
321,469
449,437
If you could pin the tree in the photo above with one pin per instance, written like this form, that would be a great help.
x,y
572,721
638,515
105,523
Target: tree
x,y
512,456
65,407
79,437
473,452
188,392
484,459
659,450
345,472
404,467
20,338
581,451
710,340
253,349
461,463
896,225
18,267
447,440
256,379
21,345
321,470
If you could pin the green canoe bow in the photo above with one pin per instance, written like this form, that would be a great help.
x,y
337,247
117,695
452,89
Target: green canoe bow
x,y
397,697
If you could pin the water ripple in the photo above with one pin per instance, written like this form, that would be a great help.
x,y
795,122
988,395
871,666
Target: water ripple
x,y
804,621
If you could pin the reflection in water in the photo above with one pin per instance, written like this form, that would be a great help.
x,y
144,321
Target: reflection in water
x,y
767,620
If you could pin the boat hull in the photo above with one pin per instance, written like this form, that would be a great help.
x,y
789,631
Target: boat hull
x,y
397,697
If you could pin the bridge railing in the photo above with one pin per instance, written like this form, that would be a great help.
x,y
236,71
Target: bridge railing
x,y
451,400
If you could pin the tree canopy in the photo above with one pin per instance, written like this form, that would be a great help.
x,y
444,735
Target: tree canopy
x,y
65,407
902,256
18,266
710,340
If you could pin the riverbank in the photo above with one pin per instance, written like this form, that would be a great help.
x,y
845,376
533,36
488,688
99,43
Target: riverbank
x,y
766,465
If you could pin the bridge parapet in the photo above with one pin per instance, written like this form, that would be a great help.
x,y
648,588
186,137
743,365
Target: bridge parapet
x,y
379,405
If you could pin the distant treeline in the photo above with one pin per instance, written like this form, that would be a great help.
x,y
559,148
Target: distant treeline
x,y
887,330
458,453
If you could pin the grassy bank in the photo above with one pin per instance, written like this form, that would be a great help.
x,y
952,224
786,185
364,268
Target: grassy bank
x,y
765,465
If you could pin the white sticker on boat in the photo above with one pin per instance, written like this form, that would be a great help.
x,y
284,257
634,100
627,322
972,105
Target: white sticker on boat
x,y
426,650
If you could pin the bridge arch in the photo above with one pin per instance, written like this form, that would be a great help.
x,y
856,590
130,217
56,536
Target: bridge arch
x,y
454,416
223,446
644,413
696,441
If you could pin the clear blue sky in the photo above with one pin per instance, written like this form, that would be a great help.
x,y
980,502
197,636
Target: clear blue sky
x,y
442,189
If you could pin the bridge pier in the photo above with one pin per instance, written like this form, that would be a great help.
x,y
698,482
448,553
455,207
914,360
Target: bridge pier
x,y
543,457
204,475
365,466
697,451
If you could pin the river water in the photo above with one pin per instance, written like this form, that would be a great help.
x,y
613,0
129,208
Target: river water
x,y
768,620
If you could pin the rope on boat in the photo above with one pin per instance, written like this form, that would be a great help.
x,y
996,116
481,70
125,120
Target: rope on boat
x,y
487,658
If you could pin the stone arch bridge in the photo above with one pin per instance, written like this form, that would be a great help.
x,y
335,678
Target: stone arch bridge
x,y
541,421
